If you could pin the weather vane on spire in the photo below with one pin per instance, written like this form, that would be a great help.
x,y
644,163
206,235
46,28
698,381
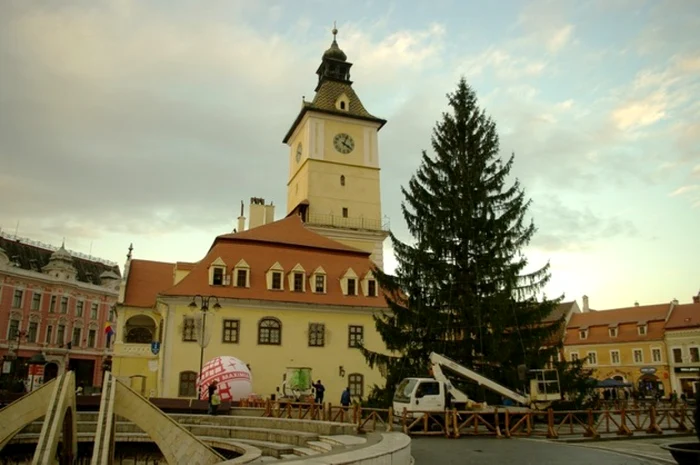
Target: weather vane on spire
x,y
335,30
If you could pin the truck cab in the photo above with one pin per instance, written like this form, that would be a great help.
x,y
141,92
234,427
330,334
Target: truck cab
x,y
418,395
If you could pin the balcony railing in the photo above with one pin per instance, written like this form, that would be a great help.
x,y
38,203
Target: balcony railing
x,y
359,223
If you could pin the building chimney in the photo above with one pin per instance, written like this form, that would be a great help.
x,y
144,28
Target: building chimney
x,y
636,303
241,221
260,214
585,304
696,298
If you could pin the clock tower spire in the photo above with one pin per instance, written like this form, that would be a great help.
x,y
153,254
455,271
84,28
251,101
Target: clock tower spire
x,y
334,161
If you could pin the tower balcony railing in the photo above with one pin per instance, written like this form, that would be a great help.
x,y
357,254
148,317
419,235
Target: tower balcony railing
x,y
358,223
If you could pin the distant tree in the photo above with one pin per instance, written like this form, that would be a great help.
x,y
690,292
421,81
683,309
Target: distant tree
x,y
462,288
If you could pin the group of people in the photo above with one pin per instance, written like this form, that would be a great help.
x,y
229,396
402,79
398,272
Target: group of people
x,y
319,388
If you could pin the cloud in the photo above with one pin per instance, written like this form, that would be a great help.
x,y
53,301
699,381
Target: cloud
x,y
685,190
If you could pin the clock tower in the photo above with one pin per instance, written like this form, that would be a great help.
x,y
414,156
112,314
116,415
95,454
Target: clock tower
x,y
334,161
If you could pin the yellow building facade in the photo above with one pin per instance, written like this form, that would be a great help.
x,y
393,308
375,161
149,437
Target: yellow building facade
x,y
294,293
624,344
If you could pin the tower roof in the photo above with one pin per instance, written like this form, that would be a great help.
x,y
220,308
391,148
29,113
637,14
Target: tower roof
x,y
333,82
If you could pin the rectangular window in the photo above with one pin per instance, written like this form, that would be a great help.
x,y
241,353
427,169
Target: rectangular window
x,y
298,282
615,357
13,330
345,212
356,383
79,308
93,311
61,335
49,333
92,337
352,286
17,298
638,355
64,304
583,334
372,288
642,330
277,280
593,358
231,331
612,332
677,356
320,283
76,337
574,356
36,301
355,335
52,305
694,355
112,313
218,277
241,278
189,331
31,332
317,332
656,355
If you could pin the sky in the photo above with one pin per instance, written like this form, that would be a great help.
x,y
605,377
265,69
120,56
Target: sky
x,y
147,122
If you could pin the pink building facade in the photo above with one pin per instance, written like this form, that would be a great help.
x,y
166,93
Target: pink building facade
x,y
57,304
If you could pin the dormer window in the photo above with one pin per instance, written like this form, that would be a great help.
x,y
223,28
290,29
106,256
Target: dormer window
x,y
318,281
369,285
583,334
642,330
217,273
218,277
241,274
612,332
342,103
297,279
348,282
274,277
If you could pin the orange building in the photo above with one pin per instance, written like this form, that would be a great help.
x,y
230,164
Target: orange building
x,y
626,344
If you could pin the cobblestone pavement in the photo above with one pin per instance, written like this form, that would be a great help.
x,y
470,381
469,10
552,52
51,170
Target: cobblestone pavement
x,y
492,451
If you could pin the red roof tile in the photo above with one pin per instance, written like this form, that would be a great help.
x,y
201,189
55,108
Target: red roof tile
x,y
684,316
145,281
625,319
619,315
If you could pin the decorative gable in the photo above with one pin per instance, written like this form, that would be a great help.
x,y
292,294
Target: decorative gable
x,y
241,274
319,281
348,283
369,285
274,277
217,273
297,279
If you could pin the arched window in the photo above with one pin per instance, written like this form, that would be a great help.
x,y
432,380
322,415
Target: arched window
x,y
270,332
342,179
139,329
342,105
356,383
188,384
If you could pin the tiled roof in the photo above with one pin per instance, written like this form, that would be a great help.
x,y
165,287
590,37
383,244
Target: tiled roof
x,y
324,102
561,310
288,242
185,265
598,324
35,258
620,315
289,231
684,316
145,281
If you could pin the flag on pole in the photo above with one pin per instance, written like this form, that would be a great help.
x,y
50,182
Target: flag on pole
x,y
109,332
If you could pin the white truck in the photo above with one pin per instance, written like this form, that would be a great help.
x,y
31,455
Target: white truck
x,y
436,394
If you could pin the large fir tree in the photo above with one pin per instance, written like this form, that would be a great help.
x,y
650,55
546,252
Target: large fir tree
x,y
462,288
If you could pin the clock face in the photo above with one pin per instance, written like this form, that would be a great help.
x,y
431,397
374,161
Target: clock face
x,y
343,143
298,152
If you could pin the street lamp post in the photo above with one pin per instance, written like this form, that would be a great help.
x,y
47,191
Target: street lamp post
x,y
204,308
14,343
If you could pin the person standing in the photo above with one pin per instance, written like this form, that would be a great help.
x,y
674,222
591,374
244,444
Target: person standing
x,y
345,398
320,390
212,392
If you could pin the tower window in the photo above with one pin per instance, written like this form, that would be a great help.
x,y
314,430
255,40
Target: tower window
x,y
342,180
342,105
345,212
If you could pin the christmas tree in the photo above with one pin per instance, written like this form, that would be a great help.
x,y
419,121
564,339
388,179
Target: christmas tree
x,y
463,287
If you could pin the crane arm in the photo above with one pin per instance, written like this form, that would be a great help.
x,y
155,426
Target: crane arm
x,y
438,360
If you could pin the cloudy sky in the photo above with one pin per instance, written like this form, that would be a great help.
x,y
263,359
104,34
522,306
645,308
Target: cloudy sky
x,y
149,121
